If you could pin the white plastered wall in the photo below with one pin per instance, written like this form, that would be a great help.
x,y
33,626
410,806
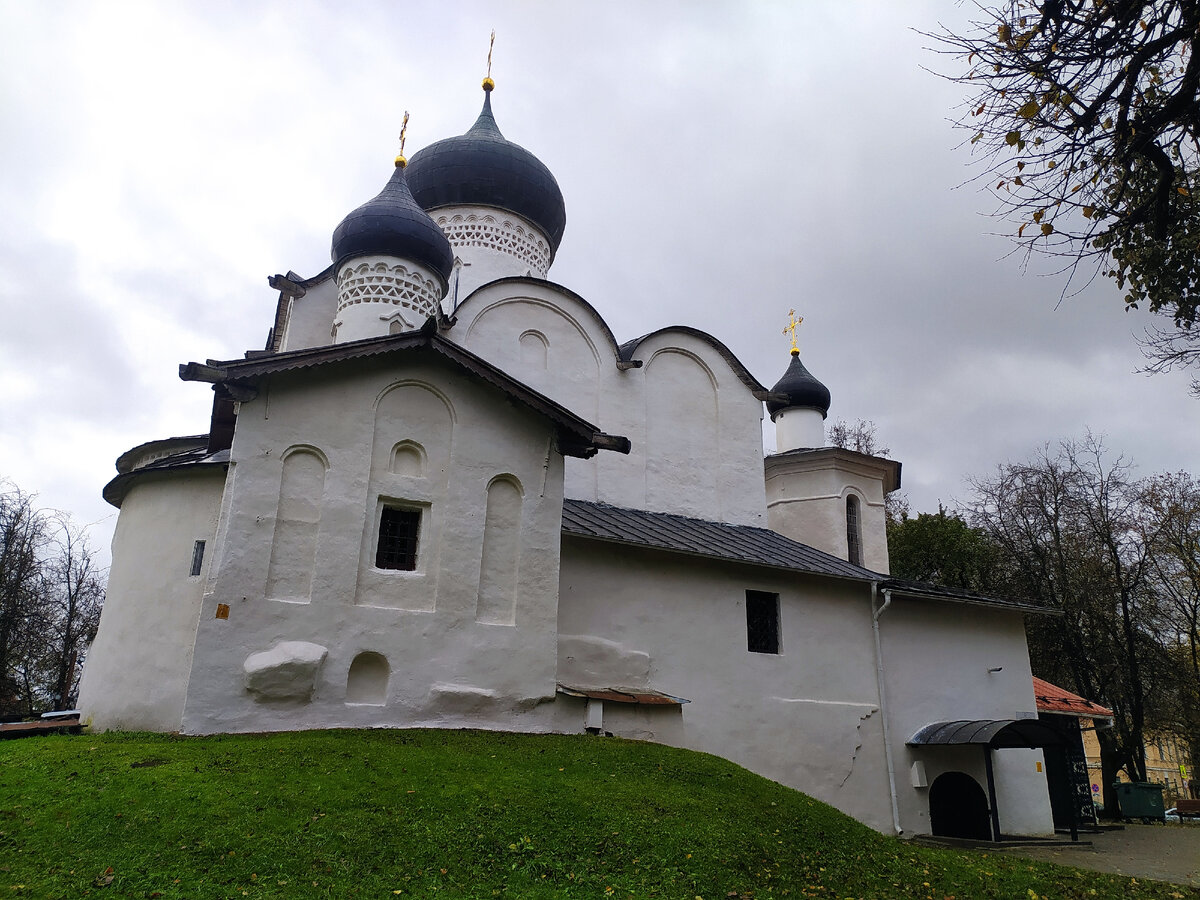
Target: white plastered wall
x,y
310,318
490,243
446,668
808,717
137,668
937,659
806,501
694,425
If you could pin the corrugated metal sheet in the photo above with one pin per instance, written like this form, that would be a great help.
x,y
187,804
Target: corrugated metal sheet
x,y
700,537
996,733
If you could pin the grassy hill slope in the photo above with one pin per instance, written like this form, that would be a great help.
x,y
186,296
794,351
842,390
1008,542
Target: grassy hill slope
x,y
454,814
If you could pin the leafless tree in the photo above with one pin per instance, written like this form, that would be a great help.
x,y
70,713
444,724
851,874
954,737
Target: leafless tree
x,y
861,437
1070,529
51,591
1173,501
22,537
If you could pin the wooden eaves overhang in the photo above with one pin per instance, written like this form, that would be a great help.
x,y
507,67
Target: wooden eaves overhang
x,y
239,379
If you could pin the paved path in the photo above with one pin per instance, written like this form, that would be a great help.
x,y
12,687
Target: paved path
x,y
1166,853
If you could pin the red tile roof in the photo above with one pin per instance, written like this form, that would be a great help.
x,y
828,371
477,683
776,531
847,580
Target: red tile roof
x,y
1052,698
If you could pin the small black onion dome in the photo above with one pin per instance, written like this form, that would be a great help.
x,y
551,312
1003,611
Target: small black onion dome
x,y
393,224
483,168
802,389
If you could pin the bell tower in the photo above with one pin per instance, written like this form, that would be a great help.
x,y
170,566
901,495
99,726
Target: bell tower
x,y
830,498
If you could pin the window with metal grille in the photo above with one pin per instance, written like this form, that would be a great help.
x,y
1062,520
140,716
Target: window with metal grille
x,y
762,622
398,531
197,557
853,531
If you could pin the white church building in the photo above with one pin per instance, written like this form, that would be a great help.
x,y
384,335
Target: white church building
x,y
445,495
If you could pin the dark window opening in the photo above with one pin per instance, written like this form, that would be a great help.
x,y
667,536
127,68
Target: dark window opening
x,y
197,557
762,622
398,531
853,532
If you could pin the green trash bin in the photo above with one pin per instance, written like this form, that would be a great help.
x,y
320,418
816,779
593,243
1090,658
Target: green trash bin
x,y
1140,800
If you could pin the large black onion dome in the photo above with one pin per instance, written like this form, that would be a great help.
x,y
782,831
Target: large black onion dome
x,y
802,389
483,168
393,224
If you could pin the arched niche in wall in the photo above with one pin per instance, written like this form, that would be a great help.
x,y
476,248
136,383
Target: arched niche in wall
x,y
571,372
297,522
683,447
367,681
535,350
408,459
499,563
418,419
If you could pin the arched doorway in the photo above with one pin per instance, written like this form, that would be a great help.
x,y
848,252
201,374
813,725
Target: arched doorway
x,y
958,807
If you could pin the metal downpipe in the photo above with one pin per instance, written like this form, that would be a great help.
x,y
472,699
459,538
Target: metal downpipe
x,y
883,712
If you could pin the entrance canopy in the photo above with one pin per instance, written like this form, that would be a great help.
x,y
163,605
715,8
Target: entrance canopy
x,y
993,733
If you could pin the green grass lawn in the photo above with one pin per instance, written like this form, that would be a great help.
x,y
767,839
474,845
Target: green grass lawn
x,y
455,814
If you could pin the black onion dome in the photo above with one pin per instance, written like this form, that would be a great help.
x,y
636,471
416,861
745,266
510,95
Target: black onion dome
x,y
483,168
393,224
802,389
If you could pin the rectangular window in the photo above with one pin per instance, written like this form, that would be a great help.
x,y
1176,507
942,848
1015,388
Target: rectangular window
x,y
762,622
398,531
197,557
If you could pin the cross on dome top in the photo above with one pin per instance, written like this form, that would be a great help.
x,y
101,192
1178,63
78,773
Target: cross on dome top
x,y
793,324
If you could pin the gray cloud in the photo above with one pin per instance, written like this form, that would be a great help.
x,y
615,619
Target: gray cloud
x,y
720,165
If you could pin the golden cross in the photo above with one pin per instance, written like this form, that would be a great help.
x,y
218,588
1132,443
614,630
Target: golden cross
x,y
403,131
490,45
793,324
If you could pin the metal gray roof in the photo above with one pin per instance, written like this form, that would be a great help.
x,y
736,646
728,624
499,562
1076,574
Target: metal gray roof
x,y
700,537
483,167
392,224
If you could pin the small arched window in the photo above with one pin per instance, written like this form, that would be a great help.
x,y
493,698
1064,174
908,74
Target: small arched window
x,y
853,531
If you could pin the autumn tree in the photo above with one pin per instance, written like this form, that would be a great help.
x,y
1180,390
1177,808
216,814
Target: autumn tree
x,y
1085,116
1071,532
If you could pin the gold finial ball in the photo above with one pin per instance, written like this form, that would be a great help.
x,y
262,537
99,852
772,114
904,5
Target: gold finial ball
x,y
488,84
795,351
401,162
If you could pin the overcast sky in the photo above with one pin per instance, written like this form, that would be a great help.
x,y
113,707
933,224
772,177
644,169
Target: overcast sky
x,y
721,163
